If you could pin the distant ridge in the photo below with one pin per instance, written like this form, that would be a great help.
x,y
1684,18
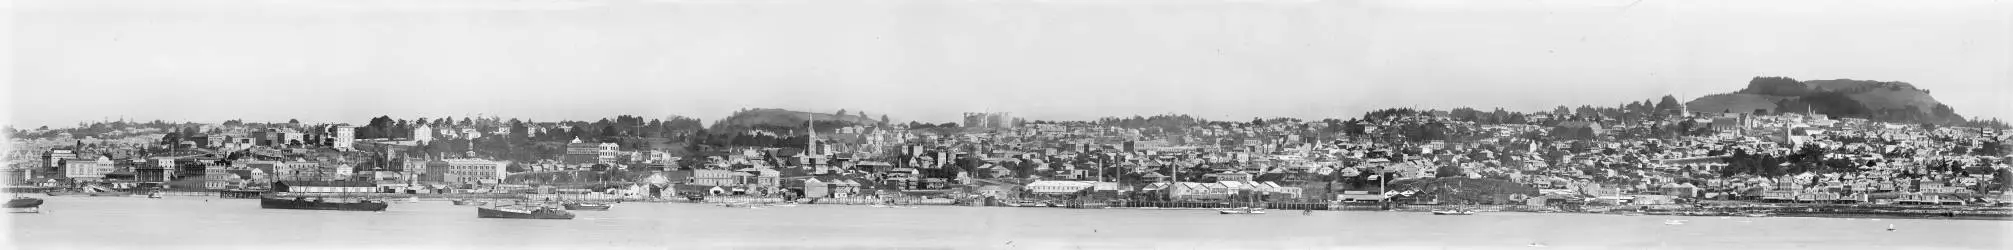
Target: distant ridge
x,y
780,119
1876,100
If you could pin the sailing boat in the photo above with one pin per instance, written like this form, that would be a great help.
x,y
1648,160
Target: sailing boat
x,y
578,205
1455,211
275,202
1243,210
522,211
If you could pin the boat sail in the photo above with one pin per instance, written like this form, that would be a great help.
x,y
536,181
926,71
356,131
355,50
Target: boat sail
x,y
1245,210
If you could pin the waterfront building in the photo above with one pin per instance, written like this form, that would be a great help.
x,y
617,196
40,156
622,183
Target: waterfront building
x,y
217,178
300,171
325,186
812,187
54,158
87,169
715,177
1058,187
475,170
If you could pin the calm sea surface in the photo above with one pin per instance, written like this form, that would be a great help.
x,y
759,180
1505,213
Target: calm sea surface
x,y
200,223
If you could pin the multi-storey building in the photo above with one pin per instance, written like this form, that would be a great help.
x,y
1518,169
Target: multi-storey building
x,y
345,136
87,169
474,170
578,152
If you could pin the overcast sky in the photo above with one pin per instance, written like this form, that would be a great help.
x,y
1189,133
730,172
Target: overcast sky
x,y
348,60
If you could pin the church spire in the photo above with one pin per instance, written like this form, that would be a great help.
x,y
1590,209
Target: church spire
x,y
811,127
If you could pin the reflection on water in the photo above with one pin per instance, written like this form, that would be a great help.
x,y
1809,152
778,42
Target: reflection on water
x,y
191,222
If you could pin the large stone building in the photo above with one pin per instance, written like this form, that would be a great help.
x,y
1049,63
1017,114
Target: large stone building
x,y
345,136
578,152
473,171
87,169
989,120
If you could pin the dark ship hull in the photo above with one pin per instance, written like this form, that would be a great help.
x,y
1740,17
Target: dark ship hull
x,y
521,213
587,206
75,193
24,203
271,203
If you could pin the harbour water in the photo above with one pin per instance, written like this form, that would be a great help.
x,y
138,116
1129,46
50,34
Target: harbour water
x,y
211,223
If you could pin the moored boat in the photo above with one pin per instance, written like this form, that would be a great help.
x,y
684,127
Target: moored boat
x,y
154,195
319,204
81,193
467,202
522,212
25,204
1243,210
1453,212
586,206
113,194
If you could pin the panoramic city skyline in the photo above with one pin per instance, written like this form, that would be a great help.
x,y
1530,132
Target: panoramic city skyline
x,y
214,60
878,124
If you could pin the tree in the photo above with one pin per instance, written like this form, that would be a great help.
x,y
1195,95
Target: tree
x,y
841,114
1448,171
884,119
171,139
518,131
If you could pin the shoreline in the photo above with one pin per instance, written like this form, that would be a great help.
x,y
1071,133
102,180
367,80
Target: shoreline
x,y
1771,210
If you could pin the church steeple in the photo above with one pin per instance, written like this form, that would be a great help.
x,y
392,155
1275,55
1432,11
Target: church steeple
x,y
811,127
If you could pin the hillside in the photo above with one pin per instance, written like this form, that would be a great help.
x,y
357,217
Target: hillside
x,y
775,119
1884,101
